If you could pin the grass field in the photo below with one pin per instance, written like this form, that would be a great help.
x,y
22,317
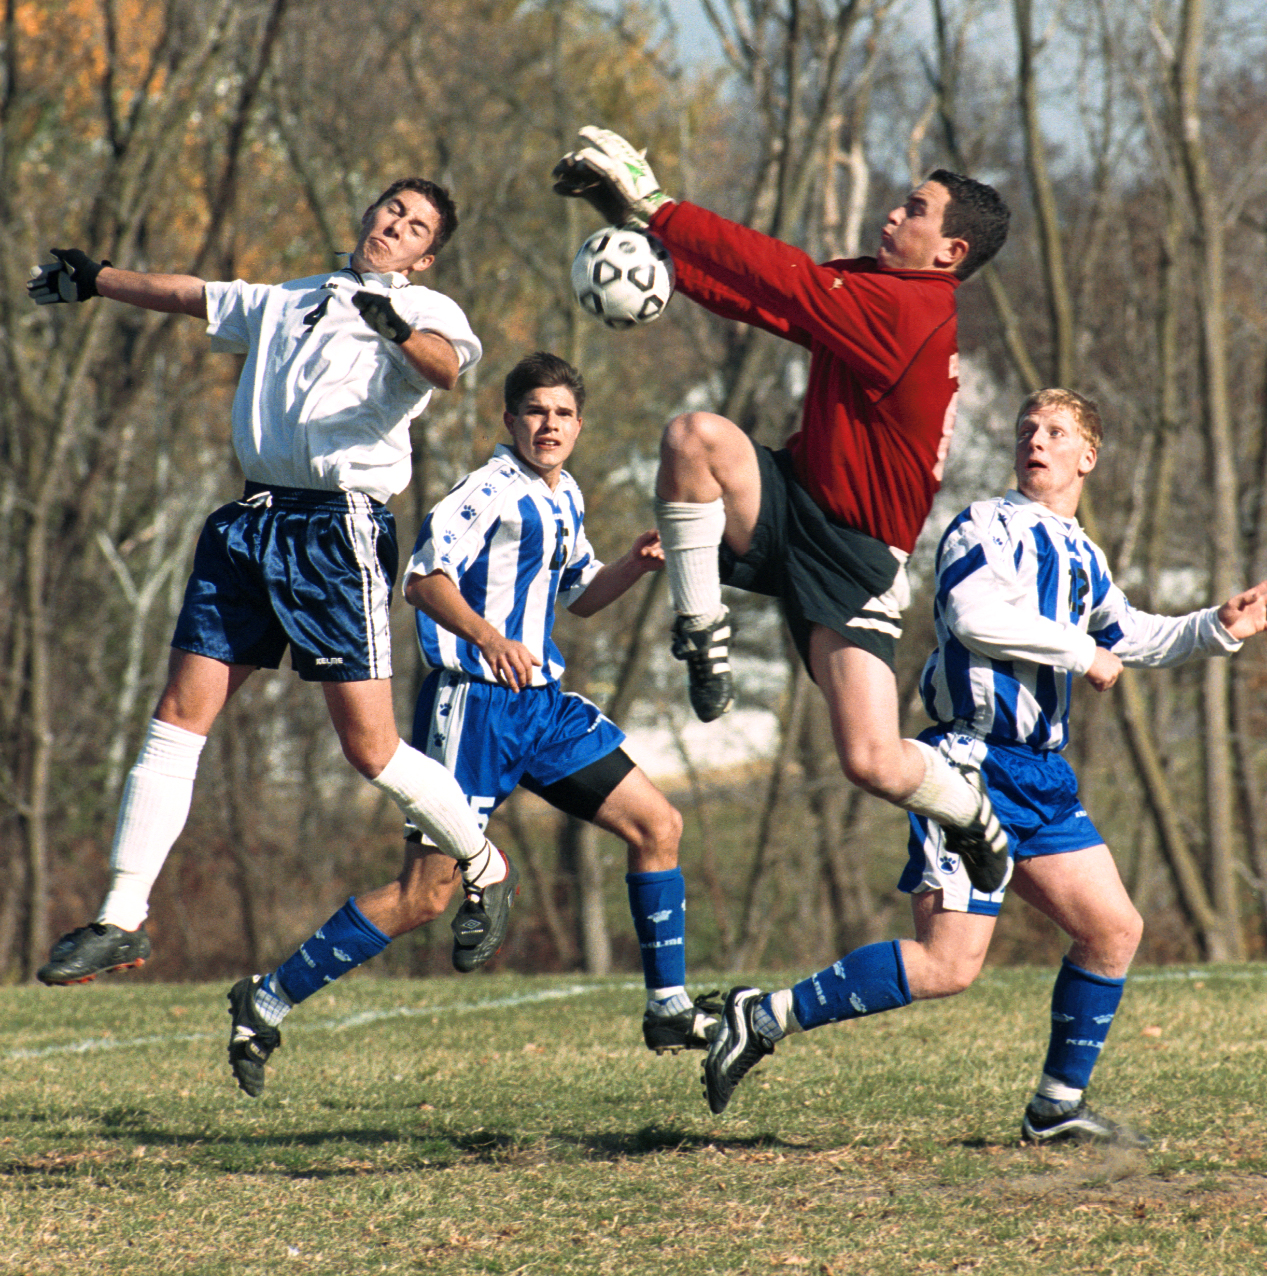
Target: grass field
x,y
509,1124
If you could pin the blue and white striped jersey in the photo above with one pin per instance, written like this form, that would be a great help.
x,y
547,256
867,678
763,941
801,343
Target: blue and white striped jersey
x,y
513,548
1024,598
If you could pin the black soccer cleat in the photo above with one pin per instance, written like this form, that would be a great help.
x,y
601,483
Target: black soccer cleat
x,y
707,654
92,950
1080,1125
981,845
479,926
737,1048
251,1040
691,1029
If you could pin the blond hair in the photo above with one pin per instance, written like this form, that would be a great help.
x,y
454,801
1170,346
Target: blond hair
x,y
1083,410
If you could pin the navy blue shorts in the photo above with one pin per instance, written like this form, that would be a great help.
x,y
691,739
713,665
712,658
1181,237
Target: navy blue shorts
x,y
823,572
1035,796
294,567
492,738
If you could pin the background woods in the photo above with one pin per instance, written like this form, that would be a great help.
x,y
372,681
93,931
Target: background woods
x,y
235,139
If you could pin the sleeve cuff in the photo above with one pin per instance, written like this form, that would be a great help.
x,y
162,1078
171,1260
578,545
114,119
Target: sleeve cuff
x,y
1084,657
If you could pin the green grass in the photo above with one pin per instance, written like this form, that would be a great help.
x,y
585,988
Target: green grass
x,y
486,1126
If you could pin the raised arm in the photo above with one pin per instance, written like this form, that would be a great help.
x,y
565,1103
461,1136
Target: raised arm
x,y
613,579
433,357
171,294
75,277
431,354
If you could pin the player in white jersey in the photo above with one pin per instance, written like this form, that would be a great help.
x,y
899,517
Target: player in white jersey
x,y
337,365
1025,603
491,561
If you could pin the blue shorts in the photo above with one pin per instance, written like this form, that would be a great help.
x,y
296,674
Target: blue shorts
x,y
1035,796
293,567
492,738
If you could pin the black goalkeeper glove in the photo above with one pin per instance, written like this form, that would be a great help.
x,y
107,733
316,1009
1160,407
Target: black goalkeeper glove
x,y
380,314
72,277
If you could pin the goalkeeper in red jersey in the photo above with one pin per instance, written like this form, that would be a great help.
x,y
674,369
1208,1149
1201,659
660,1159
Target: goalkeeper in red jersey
x,y
826,523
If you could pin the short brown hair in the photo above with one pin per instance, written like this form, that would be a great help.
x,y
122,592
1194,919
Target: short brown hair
x,y
1084,411
541,371
976,213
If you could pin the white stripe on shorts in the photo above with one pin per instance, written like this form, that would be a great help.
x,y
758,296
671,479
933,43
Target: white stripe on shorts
x,y
943,871
884,613
376,590
448,717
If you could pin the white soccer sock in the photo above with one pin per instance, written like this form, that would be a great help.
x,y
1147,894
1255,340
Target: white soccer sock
x,y
487,866
668,1001
434,802
1057,1092
271,1002
691,534
780,1019
944,794
155,806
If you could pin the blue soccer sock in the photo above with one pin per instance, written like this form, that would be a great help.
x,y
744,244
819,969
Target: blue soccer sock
x,y
657,902
1082,1010
866,982
346,941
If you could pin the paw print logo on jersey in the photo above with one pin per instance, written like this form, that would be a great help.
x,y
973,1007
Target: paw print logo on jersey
x,y
468,512
486,490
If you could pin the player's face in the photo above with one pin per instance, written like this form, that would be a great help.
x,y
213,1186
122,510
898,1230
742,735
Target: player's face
x,y
1053,457
397,235
912,238
545,429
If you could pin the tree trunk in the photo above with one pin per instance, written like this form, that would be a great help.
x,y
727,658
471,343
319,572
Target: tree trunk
x,y
591,908
1223,532
757,911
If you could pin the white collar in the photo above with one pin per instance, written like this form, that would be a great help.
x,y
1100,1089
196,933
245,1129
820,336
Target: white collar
x,y
1015,497
503,451
392,279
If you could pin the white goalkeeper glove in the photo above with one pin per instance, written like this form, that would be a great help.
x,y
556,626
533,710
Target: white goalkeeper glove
x,y
72,277
612,176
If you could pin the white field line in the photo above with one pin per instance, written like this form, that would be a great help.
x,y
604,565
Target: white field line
x,y
364,1017
1175,976
336,1024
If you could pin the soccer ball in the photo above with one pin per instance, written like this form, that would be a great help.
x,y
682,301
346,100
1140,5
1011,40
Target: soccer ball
x,y
623,276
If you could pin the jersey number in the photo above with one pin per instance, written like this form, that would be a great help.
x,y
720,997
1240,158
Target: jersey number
x,y
315,315
560,557
1079,588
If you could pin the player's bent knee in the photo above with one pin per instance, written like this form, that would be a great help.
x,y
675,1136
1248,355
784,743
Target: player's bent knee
x,y
957,977
695,435
871,770
1126,939
654,848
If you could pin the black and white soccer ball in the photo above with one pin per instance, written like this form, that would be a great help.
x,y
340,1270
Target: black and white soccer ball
x,y
623,276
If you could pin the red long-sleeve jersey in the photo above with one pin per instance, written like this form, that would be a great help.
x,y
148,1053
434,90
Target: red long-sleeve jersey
x,y
884,363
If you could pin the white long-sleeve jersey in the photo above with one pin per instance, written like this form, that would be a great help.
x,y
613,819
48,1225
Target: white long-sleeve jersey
x,y
323,401
1024,598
